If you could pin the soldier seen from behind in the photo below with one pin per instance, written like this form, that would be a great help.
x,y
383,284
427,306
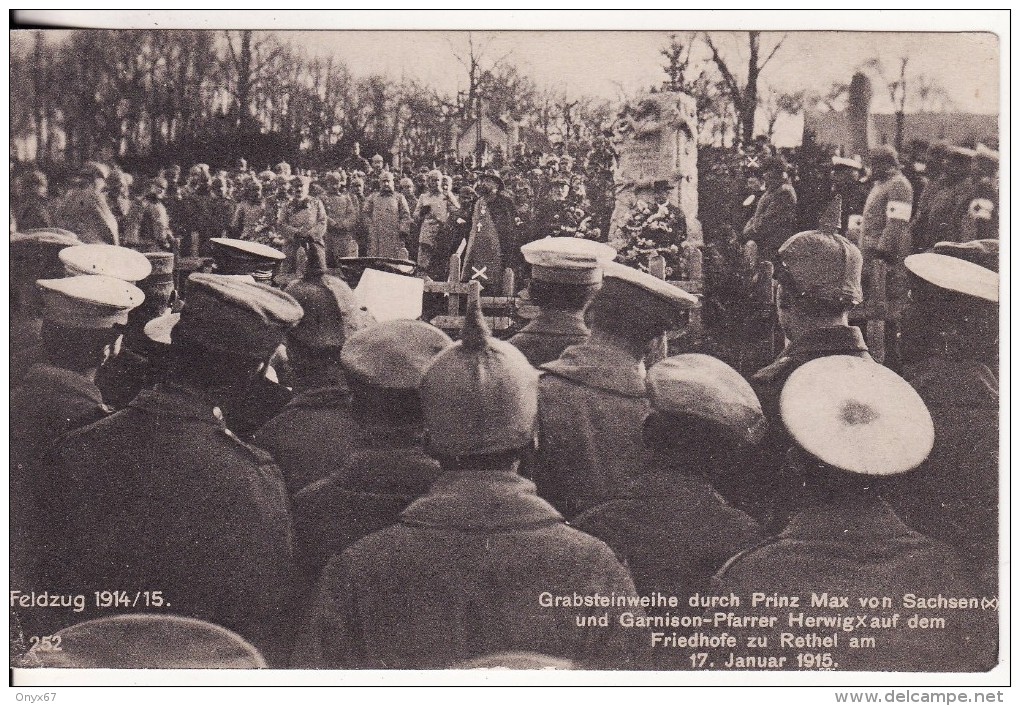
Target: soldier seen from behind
x,y
164,494
470,559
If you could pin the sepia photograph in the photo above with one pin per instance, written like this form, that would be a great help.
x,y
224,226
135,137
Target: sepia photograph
x,y
622,349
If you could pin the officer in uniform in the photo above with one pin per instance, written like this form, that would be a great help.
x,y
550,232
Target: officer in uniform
x,y
34,256
153,222
375,173
951,349
935,182
197,224
140,361
86,210
315,431
342,214
302,224
387,219
80,332
667,522
264,396
245,258
845,180
819,276
356,162
981,221
950,199
93,259
775,216
855,425
552,215
469,559
162,494
384,466
33,208
356,190
118,194
885,241
565,275
57,394
593,400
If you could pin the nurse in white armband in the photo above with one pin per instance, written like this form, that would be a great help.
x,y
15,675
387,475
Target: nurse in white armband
x,y
885,242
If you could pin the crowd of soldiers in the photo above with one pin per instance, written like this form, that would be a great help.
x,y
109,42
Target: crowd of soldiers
x,y
266,475
363,207
893,209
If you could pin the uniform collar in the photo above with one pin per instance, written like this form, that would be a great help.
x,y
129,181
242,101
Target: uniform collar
x,y
892,175
558,322
168,399
481,501
831,340
43,376
602,365
658,486
816,343
867,518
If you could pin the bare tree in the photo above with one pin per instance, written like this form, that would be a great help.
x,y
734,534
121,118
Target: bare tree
x,y
474,60
931,95
507,91
835,98
544,117
472,101
423,135
566,109
776,104
593,114
247,70
744,97
678,65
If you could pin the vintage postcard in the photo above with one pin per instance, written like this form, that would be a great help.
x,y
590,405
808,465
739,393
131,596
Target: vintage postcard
x,y
603,348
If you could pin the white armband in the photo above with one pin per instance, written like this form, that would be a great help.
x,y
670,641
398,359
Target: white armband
x,y
898,211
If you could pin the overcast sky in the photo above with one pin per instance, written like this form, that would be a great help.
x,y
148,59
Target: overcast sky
x,y
954,48
600,63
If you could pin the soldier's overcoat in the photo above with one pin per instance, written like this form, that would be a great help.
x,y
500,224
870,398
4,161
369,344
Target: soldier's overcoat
x,y
462,576
162,497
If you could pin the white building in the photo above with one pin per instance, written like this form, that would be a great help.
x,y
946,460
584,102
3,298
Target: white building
x,y
495,132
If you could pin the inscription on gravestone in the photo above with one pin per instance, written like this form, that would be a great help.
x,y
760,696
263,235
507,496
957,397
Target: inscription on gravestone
x,y
656,138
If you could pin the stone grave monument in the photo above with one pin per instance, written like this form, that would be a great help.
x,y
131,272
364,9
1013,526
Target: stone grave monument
x,y
656,137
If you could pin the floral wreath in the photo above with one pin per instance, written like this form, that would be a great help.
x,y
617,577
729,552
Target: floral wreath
x,y
650,231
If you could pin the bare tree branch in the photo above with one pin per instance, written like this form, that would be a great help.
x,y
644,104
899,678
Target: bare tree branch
x,y
773,52
230,45
728,77
456,55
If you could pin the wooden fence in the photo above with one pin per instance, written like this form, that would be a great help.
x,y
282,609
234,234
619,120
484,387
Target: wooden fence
x,y
502,310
